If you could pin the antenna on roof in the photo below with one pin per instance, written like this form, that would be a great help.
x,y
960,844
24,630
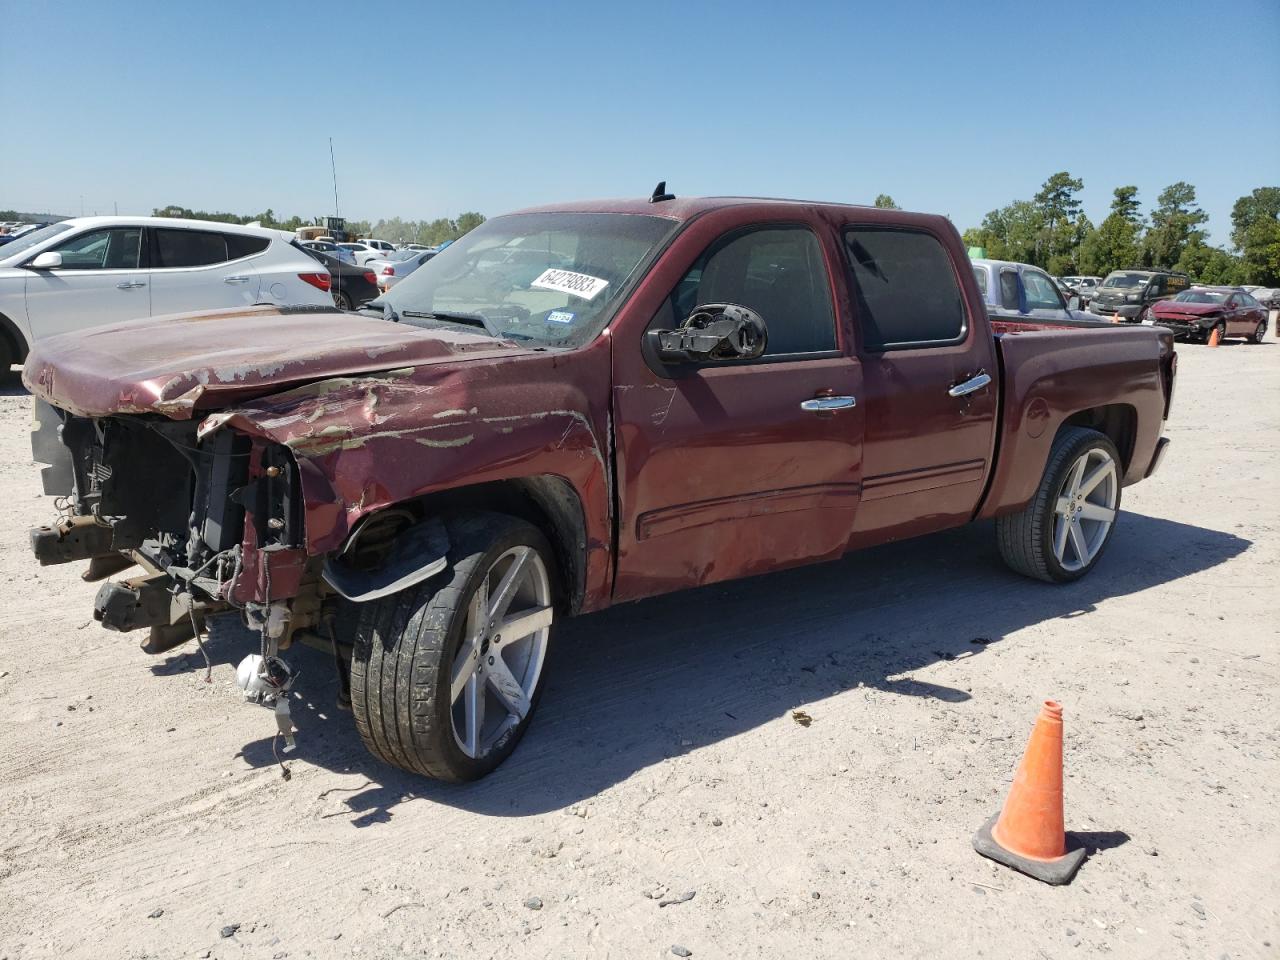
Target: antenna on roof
x,y
660,193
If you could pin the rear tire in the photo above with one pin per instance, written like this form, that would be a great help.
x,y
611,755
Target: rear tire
x,y
6,360
1259,332
430,664
1061,534
342,301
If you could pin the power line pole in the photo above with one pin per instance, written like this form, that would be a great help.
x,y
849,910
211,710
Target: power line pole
x,y
333,167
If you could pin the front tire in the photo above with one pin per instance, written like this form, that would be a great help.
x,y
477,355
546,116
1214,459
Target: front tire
x,y
1061,534
446,675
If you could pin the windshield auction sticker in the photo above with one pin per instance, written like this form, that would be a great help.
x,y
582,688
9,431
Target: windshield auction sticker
x,y
581,285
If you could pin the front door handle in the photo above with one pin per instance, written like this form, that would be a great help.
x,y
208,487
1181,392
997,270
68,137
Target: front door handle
x,y
822,404
236,280
972,385
130,285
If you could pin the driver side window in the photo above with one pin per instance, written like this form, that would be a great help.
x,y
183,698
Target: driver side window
x,y
115,249
1041,293
779,272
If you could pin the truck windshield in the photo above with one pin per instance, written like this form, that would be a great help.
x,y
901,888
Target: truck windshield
x,y
1127,280
548,277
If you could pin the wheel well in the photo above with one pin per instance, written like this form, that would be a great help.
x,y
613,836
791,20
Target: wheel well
x,y
550,503
12,336
1119,421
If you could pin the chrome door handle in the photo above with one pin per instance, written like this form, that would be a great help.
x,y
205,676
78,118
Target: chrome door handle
x,y
819,404
130,285
235,280
972,385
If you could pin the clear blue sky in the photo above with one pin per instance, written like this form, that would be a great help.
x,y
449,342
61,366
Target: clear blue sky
x,y
444,107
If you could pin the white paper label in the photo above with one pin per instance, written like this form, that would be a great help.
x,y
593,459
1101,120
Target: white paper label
x,y
581,285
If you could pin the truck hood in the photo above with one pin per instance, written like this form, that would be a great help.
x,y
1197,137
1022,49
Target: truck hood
x,y
183,365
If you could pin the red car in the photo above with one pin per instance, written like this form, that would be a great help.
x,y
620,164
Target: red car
x,y
675,392
1195,313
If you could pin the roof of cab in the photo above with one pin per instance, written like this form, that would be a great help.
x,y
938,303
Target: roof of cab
x,y
680,208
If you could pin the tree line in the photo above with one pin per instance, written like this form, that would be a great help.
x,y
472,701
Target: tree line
x,y
1051,231
429,232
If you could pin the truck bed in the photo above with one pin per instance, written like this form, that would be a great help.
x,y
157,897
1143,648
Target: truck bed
x,y
1049,370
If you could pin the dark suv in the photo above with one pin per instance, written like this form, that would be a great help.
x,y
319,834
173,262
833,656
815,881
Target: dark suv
x,y
1127,295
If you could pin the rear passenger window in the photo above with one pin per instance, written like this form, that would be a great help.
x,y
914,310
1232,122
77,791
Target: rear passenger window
x,y
779,272
189,248
241,246
905,287
981,276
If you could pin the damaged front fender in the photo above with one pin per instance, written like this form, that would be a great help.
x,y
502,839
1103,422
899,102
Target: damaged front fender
x,y
363,444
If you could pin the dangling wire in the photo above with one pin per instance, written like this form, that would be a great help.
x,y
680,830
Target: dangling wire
x,y
208,667
285,772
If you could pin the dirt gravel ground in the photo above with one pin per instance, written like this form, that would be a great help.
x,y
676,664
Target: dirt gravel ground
x,y
144,816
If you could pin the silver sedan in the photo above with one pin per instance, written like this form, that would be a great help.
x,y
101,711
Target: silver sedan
x,y
397,266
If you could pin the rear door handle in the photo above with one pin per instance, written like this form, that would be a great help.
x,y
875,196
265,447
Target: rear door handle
x,y
130,285
235,280
972,385
820,404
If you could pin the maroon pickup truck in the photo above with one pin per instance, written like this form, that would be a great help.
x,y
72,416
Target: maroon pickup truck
x,y
570,407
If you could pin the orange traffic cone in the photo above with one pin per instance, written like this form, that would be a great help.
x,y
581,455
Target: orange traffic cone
x,y
1215,337
1028,834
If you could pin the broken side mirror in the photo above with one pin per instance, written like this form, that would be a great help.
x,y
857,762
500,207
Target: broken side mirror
x,y
714,332
1073,303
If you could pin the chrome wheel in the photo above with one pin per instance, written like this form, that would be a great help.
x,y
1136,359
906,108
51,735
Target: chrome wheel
x,y
1085,509
495,672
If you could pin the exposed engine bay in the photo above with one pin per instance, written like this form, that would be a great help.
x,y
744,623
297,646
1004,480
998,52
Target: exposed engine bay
x,y
216,526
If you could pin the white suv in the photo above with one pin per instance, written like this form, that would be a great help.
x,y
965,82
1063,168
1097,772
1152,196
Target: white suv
x,y
95,270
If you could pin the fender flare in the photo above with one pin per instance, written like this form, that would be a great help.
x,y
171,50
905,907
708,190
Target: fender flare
x,y
416,554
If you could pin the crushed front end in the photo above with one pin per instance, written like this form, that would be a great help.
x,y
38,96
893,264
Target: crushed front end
x,y
216,525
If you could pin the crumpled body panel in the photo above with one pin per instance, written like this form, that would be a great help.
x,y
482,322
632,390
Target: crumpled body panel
x,y
181,365
363,443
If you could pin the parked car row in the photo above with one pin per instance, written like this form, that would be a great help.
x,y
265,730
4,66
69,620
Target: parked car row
x,y
1020,291
398,265
88,271
362,251
11,230
1082,287
329,248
